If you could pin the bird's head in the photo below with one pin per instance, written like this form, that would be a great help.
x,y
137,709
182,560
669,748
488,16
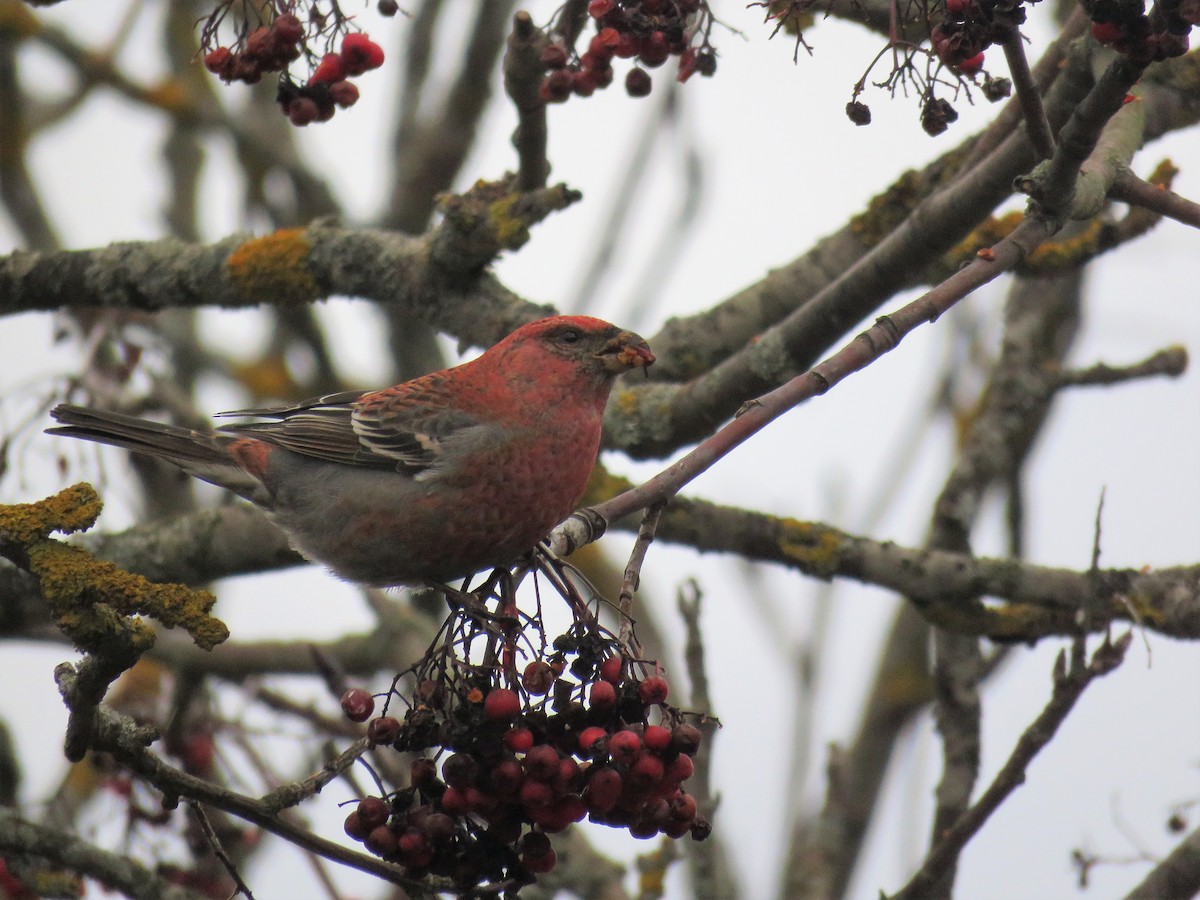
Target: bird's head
x,y
591,341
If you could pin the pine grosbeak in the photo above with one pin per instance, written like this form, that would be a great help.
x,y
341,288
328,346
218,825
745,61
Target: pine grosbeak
x,y
433,479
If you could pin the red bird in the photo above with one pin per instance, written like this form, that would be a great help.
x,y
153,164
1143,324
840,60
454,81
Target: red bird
x,y
430,480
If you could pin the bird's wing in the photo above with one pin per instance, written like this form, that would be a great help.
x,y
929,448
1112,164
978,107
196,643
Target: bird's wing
x,y
403,428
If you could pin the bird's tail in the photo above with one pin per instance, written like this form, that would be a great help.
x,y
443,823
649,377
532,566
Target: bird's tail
x,y
202,454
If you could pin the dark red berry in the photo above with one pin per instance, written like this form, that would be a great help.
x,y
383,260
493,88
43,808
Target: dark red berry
x,y
423,772
541,762
538,676
343,93
502,705
646,771
628,46
554,56
459,770
637,83
957,7
603,789
653,690
602,695
373,811
506,778
454,802
535,794
656,738
678,770
624,746
654,49
541,863
388,7
610,669
354,827
382,841
685,739
518,740
288,28
383,730
1104,32
357,704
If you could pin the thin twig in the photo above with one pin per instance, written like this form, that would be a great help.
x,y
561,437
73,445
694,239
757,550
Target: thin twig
x,y
1170,361
1128,188
1070,681
214,843
633,574
1036,123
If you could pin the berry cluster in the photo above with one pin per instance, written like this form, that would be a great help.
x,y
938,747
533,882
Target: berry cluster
x,y
266,49
1128,29
563,743
329,86
646,31
274,47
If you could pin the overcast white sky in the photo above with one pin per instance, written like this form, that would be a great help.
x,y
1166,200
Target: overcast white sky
x,y
782,167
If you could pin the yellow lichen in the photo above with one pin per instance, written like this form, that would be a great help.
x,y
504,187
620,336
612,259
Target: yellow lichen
x,y
509,226
68,511
813,547
274,267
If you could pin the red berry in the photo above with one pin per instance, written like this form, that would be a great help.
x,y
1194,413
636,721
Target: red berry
x,y
382,841
423,772
567,777
627,47
683,806
357,704
502,705
653,690
588,738
360,53
480,801
544,862
538,676
260,45
1104,32
383,730
558,85
439,827
687,65
646,771
331,68
598,9
624,746
373,811
219,62
972,65
343,93
506,778
656,738
602,695
654,49
454,802
637,83
584,83
610,669
541,762
603,789
518,740
679,770
288,28
536,794
354,827
554,56
957,7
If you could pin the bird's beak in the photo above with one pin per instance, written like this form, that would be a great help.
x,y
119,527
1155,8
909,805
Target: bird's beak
x,y
626,351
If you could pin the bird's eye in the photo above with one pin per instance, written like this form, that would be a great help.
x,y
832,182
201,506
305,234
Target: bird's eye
x,y
569,337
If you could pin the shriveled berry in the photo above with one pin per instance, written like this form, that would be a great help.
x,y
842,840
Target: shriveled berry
x,y
653,690
288,28
357,704
706,63
602,695
388,7
502,705
373,811
701,828
219,62
637,82
686,739
858,112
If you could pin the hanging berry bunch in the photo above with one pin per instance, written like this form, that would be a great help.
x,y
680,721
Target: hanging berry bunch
x,y
536,736
295,30
647,32
1125,26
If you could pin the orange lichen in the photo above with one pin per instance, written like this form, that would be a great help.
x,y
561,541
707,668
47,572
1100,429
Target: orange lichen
x,y
274,268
